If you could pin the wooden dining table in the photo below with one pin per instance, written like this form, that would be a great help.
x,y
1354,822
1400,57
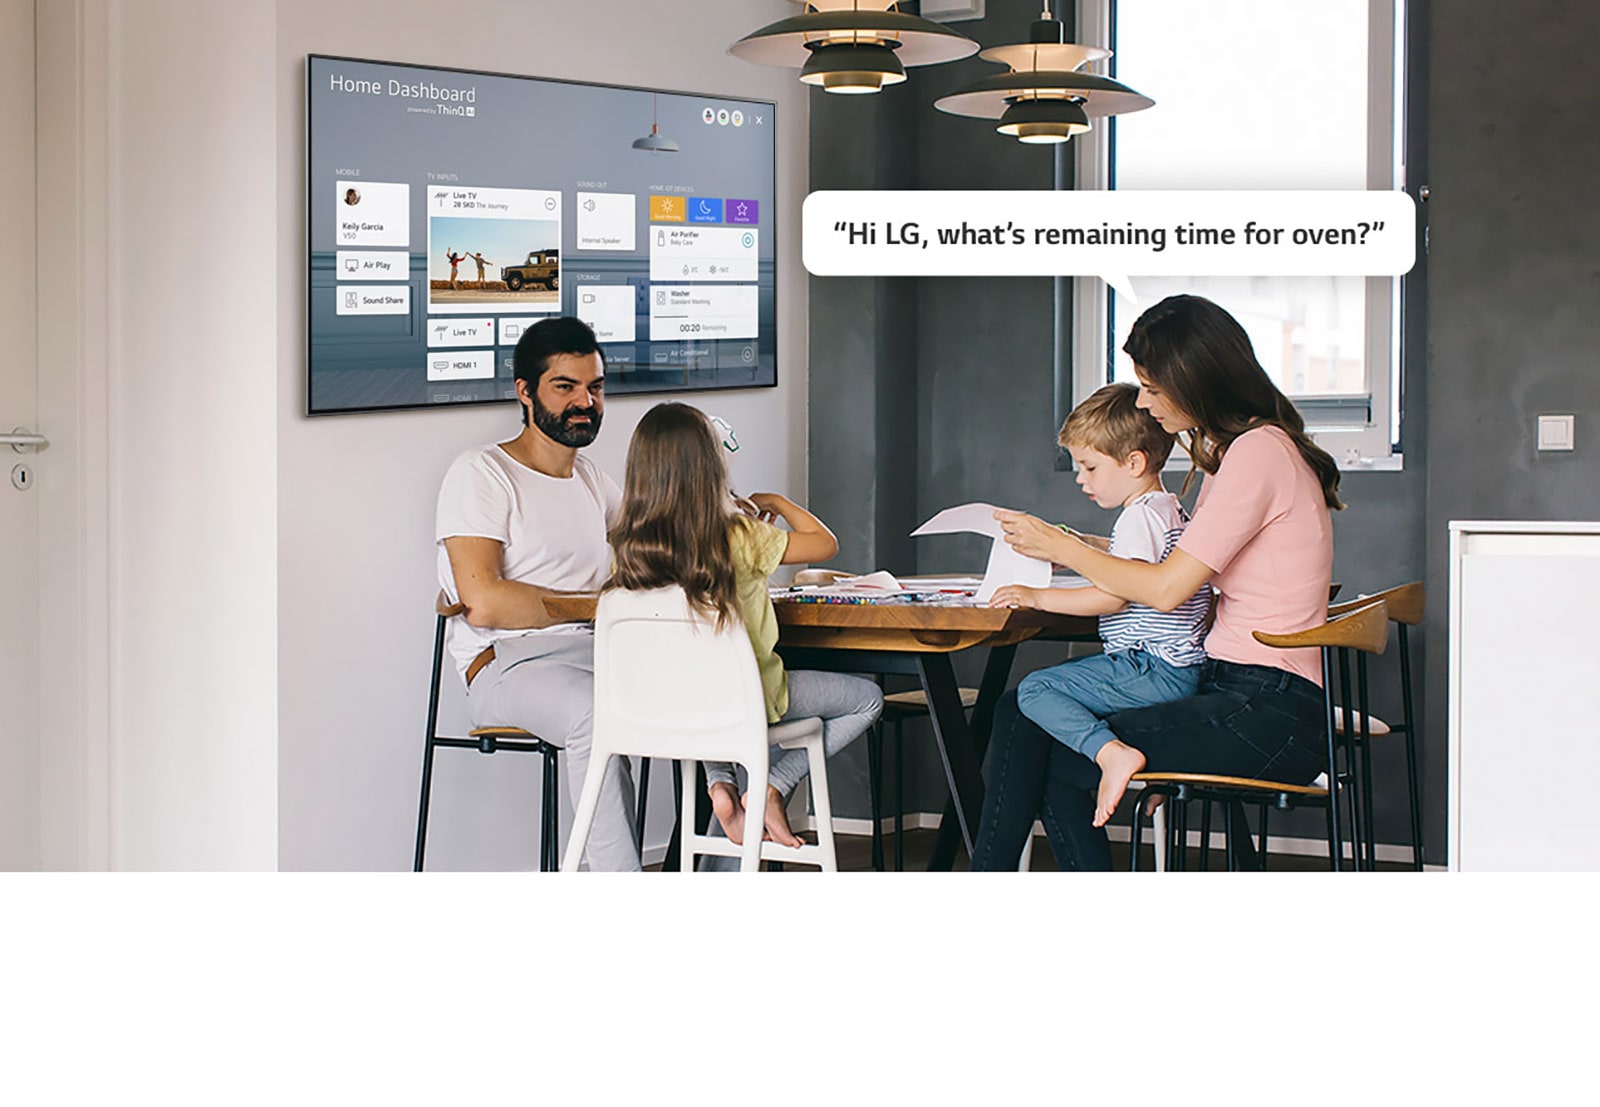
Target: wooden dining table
x,y
917,639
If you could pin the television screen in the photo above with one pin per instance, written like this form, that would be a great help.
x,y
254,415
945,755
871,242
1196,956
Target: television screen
x,y
451,210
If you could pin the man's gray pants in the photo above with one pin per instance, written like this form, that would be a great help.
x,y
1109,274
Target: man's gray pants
x,y
544,683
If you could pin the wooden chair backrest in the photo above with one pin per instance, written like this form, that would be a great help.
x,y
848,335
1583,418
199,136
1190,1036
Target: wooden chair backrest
x,y
1365,629
444,608
1404,601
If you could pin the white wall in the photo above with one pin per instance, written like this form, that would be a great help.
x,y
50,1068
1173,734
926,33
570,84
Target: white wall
x,y
193,177
355,493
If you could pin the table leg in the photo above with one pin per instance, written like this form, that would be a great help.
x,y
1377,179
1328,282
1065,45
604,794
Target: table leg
x,y
673,862
962,746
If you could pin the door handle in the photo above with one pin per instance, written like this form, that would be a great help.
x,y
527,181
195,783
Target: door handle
x,y
21,439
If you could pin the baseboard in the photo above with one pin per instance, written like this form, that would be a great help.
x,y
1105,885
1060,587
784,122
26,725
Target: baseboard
x,y
929,820
913,820
657,854
1277,844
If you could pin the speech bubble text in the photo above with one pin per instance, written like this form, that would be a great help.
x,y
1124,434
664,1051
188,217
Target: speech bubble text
x,y
1112,235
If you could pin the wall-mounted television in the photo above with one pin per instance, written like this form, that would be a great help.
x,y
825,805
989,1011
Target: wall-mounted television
x,y
450,210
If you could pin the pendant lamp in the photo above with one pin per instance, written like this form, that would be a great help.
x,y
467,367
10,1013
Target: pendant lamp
x,y
1045,98
852,46
655,141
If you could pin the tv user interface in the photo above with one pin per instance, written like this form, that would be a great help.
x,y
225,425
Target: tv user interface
x,y
451,210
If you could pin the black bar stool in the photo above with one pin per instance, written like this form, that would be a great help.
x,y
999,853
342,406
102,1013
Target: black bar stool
x,y
489,739
1364,630
1405,604
897,708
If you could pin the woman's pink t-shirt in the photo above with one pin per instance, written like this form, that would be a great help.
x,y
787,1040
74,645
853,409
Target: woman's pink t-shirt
x,y
1262,526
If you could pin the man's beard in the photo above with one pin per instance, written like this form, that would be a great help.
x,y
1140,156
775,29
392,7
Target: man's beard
x,y
560,428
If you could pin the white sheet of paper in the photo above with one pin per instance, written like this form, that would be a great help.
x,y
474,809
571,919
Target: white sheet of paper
x,y
881,579
966,519
920,583
1006,565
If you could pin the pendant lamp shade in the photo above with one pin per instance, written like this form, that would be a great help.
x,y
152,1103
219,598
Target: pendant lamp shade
x,y
990,97
655,141
1043,121
852,69
1045,97
852,46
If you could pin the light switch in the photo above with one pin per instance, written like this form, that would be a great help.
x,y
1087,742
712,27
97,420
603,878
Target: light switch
x,y
1556,432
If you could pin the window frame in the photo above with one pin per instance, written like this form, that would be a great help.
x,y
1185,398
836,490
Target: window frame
x,y
1378,443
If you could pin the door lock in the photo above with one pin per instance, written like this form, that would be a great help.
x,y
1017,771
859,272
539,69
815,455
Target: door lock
x,y
21,477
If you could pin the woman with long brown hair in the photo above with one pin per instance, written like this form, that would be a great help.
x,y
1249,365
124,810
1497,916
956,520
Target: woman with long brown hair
x,y
1261,536
678,525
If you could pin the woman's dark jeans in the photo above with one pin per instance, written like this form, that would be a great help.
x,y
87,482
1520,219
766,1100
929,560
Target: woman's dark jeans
x,y
1246,720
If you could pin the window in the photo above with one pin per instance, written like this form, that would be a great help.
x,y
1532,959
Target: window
x,y
1260,94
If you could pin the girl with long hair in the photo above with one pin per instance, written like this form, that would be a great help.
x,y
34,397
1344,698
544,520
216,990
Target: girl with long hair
x,y
679,525
1261,536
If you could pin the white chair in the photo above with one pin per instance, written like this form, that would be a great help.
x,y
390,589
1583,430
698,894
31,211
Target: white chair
x,y
668,683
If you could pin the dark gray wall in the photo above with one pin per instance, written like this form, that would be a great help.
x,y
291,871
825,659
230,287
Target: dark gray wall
x,y
1514,275
1508,302
909,376
863,351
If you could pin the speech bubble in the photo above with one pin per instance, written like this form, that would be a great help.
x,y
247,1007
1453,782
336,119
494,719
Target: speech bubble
x,y
1112,235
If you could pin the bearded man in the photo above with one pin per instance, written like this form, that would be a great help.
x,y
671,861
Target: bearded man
x,y
519,521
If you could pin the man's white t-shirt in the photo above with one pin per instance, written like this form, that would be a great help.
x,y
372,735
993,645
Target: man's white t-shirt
x,y
553,530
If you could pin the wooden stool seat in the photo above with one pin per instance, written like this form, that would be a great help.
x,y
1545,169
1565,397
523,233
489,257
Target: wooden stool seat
x,y
915,702
1405,603
500,732
1240,783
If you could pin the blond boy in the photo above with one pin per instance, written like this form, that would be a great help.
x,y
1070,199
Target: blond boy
x,y
1150,656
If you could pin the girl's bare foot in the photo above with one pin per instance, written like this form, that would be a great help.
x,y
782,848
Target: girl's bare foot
x,y
1118,762
729,809
777,820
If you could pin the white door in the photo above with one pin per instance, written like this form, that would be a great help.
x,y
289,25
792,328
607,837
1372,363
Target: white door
x,y
19,402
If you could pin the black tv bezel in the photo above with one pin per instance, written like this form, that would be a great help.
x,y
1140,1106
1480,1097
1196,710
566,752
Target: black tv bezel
x,y
455,405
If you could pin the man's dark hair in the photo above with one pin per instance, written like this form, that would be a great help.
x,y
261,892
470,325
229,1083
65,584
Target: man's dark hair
x,y
546,339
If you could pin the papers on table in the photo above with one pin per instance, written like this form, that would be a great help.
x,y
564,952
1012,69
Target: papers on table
x,y
946,584
1006,565
879,581
879,587
883,588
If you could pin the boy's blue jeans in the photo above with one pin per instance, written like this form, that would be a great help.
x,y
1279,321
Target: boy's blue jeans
x,y
1070,700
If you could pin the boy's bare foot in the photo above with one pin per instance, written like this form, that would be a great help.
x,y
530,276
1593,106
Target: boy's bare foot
x,y
777,820
1118,762
729,809
1153,801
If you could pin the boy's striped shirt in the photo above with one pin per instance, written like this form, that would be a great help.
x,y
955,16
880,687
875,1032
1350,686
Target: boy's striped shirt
x,y
1148,530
